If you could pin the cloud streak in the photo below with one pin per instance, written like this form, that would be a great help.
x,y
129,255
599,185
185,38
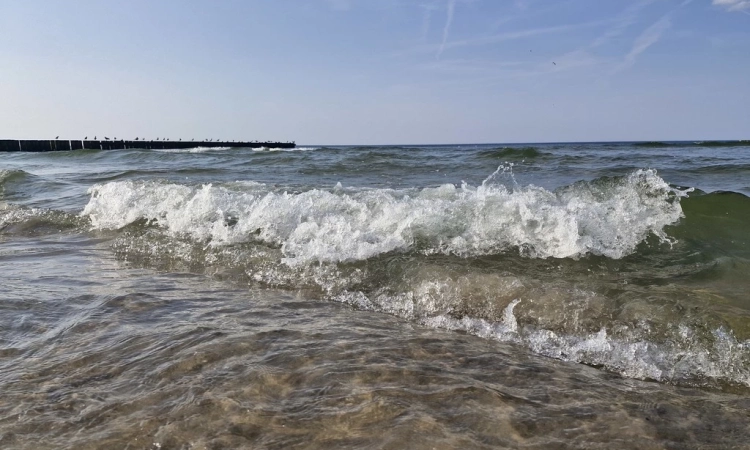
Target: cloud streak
x,y
623,22
649,37
426,20
448,23
733,5
498,38
512,35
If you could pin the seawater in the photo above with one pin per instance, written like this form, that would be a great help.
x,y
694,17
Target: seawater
x,y
581,295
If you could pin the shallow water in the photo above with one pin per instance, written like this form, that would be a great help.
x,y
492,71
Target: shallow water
x,y
376,297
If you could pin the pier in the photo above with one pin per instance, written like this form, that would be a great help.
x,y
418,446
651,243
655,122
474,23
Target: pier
x,y
57,145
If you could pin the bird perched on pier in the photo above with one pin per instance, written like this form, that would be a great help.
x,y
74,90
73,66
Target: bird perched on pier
x,y
136,139
94,137
57,137
106,138
86,137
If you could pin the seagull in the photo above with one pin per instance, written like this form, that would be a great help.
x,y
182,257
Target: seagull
x,y
57,137
94,137
136,139
86,137
554,63
106,138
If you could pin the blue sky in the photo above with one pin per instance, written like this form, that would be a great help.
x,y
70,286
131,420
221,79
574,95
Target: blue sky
x,y
376,71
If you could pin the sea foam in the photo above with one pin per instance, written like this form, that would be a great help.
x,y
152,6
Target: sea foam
x,y
607,217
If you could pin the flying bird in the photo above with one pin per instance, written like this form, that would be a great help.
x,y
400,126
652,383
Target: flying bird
x,y
554,63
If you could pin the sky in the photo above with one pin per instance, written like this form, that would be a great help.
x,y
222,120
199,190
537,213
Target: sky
x,y
376,71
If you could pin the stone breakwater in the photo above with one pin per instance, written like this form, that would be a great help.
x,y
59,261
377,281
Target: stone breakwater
x,y
57,145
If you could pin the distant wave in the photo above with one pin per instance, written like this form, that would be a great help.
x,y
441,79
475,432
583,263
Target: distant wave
x,y
12,177
728,169
7,176
197,149
660,144
742,143
512,153
656,144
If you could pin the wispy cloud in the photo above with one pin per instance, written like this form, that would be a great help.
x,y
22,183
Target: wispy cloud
x,y
448,22
733,5
427,19
498,38
626,19
649,37
619,25
521,34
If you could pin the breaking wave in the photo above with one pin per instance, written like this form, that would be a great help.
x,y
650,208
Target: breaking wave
x,y
608,217
501,261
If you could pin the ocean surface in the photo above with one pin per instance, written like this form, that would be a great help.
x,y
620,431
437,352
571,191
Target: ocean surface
x,y
540,296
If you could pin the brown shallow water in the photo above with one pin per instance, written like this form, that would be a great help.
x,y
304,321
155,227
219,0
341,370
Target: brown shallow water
x,y
99,355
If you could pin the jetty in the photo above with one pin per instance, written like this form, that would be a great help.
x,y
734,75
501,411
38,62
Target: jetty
x,y
58,145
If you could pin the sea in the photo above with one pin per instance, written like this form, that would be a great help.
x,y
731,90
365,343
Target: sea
x,y
535,296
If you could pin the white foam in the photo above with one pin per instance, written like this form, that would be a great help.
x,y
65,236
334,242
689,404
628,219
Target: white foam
x,y
279,149
201,149
342,224
198,149
688,360
345,225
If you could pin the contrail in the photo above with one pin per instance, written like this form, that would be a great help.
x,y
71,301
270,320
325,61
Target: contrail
x,y
448,21
648,38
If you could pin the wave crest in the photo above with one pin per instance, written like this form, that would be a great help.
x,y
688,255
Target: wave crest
x,y
513,153
602,218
